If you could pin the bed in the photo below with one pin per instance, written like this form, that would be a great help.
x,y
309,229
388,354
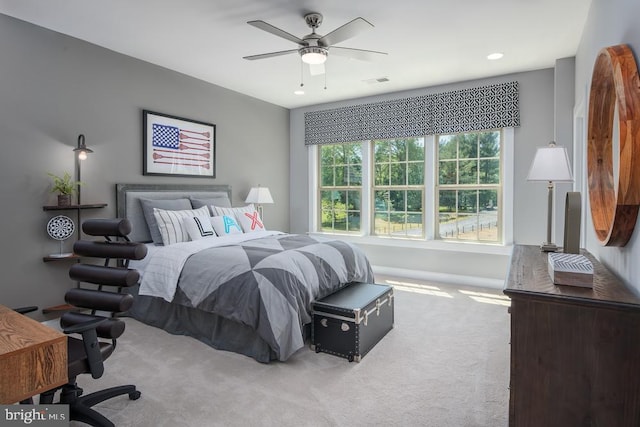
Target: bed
x,y
250,292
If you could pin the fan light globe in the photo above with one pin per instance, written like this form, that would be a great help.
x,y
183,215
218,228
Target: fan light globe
x,y
313,55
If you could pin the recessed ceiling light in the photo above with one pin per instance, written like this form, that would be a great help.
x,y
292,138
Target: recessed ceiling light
x,y
298,92
494,56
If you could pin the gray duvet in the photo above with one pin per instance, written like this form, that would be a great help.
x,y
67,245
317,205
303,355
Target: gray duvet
x,y
269,283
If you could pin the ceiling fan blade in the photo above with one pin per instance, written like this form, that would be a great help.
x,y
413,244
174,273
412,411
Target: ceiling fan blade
x,y
361,54
276,31
270,54
316,69
348,30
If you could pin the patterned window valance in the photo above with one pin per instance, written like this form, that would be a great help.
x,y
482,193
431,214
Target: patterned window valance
x,y
486,107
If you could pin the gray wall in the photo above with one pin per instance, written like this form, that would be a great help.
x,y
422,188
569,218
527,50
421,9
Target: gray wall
x,y
53,88
537,104
610,22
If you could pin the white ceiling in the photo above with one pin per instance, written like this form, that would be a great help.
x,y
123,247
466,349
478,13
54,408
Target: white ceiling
x,y
429,42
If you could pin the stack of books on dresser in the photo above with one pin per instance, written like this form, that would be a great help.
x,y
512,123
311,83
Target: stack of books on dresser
x,y
570,269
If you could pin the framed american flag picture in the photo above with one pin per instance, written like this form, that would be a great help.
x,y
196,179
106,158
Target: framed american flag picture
x,y
175,146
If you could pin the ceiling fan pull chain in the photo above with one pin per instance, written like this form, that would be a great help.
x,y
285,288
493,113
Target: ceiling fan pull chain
x,y
325,79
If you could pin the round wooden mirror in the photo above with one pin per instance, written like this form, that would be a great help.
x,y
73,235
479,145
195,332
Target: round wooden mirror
x,y
615,88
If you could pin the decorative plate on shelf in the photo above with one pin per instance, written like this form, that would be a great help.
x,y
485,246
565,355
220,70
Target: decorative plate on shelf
x,y
60,228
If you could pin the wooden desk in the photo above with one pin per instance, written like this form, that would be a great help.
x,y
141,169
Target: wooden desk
x,y
575,352
33,357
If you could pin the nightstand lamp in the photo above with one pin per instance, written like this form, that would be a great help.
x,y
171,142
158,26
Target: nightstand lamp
x,y
550,164
259,195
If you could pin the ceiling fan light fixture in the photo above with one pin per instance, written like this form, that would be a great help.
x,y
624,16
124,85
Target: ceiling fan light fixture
x,y
313,55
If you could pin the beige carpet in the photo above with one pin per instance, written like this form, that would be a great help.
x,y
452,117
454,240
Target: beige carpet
x,y
445,363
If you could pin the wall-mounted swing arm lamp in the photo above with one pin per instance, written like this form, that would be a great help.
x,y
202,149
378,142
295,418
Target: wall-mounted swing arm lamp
x,y
550,164
80,152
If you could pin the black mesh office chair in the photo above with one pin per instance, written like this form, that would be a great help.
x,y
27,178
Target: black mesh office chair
x,y
86,355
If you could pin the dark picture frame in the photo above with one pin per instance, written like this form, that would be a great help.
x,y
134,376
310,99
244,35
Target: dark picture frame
x,y
176,146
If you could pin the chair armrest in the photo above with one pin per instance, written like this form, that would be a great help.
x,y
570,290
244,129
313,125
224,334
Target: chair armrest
x,y
91,344
25,310
84,326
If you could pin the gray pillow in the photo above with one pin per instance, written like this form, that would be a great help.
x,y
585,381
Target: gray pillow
x,y
167,204
222,201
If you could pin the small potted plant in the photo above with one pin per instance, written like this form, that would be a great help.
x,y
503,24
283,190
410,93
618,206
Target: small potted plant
x,y
65,187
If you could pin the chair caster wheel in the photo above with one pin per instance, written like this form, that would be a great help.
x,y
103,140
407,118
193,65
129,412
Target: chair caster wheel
x,y
135,395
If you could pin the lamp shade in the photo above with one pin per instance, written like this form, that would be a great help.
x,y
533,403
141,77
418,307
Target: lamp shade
x,y
551,164
259,195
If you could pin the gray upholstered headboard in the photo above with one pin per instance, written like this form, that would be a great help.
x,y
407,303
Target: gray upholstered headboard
x,y
128,203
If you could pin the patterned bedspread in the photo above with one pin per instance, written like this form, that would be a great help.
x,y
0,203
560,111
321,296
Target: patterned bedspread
x,y
268,283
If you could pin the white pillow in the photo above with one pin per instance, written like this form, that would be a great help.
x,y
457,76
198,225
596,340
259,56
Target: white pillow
x,y
251,221
232,212
170,223
199,227
225,225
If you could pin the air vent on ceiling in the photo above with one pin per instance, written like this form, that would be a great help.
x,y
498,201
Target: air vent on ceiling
x,y
376,80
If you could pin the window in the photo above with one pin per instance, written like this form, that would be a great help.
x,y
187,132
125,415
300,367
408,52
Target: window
x,y
468,188
398,187
340,173
443,187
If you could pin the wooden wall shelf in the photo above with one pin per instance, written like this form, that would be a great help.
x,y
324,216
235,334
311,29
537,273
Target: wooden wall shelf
x,y
71,207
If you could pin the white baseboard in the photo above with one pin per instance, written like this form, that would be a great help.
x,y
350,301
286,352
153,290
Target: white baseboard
x,y
439,277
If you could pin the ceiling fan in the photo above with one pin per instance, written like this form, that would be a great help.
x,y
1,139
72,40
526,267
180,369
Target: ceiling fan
x,y
314,48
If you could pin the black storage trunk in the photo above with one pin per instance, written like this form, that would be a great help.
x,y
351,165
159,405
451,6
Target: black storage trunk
x,y
350,322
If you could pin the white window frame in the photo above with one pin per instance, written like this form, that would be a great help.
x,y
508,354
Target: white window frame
x,y
429,204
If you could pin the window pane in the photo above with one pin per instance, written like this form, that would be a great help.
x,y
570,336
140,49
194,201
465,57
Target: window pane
x,y
468,146
448,173
490,171
353,200
381,151
382,174
326,197
488,219
381,201
416,174
397,200
447,147
447,201
398,174
327,177
414,225
398,150
340,176
355,175
489,144
468,171
414,201
415,149
353,153
467,201
467,226
326,155
397,223
353,221
381,223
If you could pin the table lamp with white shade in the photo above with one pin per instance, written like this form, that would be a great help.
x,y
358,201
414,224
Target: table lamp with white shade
x,y
550,164
259,196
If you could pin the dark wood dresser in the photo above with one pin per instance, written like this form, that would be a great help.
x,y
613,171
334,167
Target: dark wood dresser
x,y
575,352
